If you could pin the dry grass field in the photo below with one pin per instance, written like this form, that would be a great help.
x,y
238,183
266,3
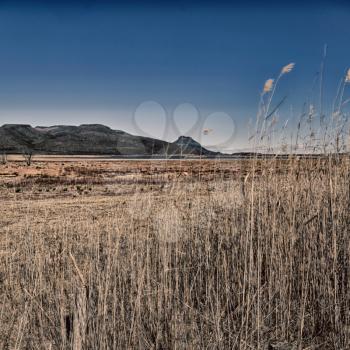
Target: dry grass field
x,y
175,254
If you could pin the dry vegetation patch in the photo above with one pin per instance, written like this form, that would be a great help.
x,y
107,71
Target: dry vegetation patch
x,y
175,255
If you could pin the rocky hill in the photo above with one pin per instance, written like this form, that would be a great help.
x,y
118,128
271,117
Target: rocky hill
x,y
93,139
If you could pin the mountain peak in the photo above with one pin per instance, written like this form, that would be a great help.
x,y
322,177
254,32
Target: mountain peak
x,y
187,141
189,145
93,139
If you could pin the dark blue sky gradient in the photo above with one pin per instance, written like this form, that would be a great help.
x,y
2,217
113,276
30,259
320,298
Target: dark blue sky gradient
x,y
82,62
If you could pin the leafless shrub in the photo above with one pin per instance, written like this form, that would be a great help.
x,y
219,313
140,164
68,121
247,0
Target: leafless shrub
x,y
3,158
28,156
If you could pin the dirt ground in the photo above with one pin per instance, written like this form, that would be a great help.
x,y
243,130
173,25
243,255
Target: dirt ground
x,y
55,187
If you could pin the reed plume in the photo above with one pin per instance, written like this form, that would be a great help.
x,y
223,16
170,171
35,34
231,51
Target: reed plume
x,y
288,68
268,85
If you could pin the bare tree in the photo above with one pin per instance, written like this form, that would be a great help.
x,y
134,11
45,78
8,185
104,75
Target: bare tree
x,y
3,158
28,156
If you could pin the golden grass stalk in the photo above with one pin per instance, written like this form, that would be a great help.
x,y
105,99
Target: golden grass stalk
x,y
347,76
268,85
288,68
207,131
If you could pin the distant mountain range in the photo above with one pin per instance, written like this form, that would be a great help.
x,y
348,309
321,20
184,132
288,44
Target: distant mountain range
x,y
93,139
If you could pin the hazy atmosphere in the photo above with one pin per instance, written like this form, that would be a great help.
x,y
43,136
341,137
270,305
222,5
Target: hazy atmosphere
x,y
138,67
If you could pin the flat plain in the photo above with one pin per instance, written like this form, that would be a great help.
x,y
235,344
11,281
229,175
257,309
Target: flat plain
x,y
175,254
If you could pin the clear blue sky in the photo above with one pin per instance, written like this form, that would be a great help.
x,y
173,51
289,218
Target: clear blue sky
x,y
88,62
